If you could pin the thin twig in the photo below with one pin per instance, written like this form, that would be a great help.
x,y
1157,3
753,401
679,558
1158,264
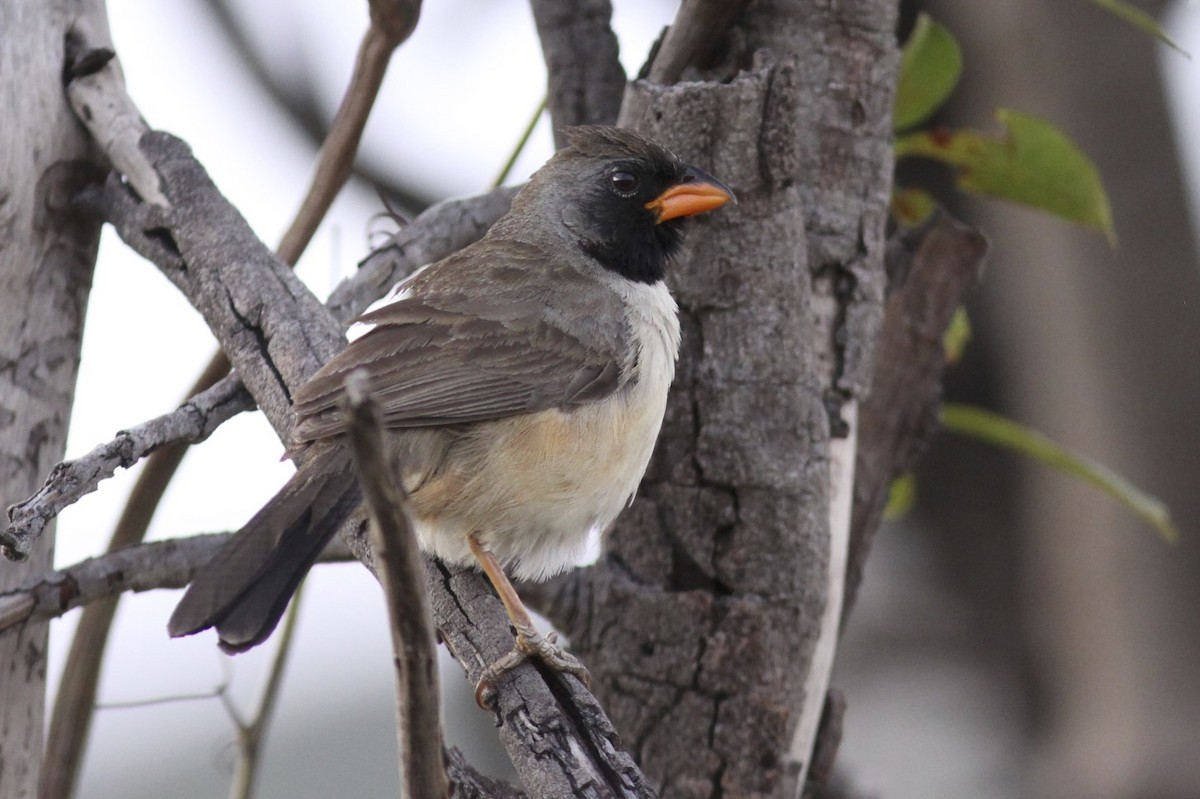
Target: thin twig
x,y
391,23
142,567
137,704
69,481
520,147
414,649
251,735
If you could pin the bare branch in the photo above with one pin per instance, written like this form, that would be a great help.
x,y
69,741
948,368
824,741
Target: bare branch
x,y
96,91
414,649
68,481
252,302
162,564
392,21
144,567
251,734
584,77
697,30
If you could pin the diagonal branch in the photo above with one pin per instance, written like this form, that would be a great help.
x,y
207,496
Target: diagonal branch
x,y
392,22
69,481
252,733
162,564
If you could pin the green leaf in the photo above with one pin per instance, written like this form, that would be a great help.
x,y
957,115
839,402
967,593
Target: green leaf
x,y
929,69
1139,19
957,335
902,495
911,207
1032,163
986,426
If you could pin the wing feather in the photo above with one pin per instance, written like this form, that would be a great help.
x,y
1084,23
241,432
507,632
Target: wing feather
x,y
431,364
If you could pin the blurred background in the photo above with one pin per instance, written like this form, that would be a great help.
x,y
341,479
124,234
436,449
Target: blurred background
x,y
1018,634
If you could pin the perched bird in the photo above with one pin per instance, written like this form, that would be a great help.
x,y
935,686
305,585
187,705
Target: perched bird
x,y
522,383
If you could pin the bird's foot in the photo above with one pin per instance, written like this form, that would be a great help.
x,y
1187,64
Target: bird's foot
x,y
530,644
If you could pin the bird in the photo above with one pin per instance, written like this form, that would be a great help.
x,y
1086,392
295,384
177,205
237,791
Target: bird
x,y
522,383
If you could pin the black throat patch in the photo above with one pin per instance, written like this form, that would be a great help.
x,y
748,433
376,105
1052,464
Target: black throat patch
x,y
636,248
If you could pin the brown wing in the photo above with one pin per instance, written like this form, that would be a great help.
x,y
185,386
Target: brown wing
x,y
429,365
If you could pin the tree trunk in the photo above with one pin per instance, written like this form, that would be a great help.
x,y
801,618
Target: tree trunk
x,y
712,594
46,259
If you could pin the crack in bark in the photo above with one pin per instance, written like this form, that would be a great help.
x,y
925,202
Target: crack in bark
x,y
261,340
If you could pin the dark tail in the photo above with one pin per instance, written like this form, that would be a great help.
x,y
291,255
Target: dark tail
x,y
244,590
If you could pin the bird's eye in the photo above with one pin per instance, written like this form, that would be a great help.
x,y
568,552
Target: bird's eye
x,y
624,183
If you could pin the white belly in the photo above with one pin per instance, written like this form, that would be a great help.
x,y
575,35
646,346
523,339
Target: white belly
x,y
532,487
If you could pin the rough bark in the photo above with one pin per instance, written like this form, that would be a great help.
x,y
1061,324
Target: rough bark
x,y
46,258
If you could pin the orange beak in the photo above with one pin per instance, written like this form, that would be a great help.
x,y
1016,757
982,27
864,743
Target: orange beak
x,y
695,193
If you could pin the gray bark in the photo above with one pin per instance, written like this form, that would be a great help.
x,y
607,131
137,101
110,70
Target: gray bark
x,y
46,258
700,620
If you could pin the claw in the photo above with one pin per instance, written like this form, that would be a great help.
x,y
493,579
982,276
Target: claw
x,y
530,644
549,652
485,689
